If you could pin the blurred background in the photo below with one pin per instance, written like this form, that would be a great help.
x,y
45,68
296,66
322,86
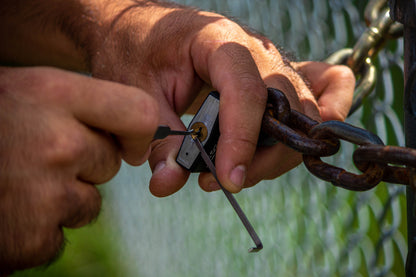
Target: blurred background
x,y
307,226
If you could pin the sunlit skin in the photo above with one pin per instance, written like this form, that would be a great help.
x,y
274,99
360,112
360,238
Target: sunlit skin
x,y
63,132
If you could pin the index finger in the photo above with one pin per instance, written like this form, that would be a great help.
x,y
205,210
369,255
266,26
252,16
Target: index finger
x,y
127,112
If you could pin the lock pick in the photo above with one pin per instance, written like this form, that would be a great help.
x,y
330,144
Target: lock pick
x,y
164,131
230,197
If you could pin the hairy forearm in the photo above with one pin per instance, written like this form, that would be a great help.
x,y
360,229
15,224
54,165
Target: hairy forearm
x,y
67,33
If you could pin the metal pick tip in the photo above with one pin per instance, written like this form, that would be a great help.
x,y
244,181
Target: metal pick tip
x,y
256,249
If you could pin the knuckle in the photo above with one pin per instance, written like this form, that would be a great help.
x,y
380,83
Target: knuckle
x,y
41,78
143,116
150,111
225,23
104,159
224,28
342,72
238,55
251,81
112,164
242,144
81,206
48,83
58,88
258,92
247,142
65,149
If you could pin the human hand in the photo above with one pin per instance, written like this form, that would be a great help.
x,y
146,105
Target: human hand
x,y
62,133
172,51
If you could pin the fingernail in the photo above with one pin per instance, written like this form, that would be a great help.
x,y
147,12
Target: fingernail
x,y
161,165
238,176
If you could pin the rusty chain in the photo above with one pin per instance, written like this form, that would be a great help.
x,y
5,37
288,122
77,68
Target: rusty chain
x,y
314,140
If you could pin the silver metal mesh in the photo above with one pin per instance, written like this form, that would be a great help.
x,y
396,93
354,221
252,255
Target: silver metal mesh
x,y
308,227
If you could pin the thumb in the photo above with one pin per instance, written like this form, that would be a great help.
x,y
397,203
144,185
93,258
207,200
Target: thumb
x,y
168,176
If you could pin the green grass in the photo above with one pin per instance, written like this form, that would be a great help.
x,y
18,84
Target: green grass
x,y
90,251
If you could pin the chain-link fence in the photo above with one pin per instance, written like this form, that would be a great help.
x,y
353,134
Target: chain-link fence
x,y
308,227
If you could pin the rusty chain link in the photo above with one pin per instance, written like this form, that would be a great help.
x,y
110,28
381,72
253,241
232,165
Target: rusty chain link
x,y
314,140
